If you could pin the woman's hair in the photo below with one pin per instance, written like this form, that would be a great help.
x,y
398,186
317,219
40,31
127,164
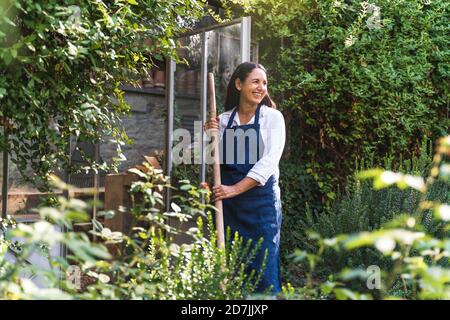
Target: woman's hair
x,y
241,73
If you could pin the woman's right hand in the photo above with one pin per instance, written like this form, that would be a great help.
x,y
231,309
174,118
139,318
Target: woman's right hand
x,y
212,123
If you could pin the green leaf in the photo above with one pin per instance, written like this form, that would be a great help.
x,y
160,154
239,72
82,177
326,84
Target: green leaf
x,y
186,187
138,172
7,57
9,21
2,92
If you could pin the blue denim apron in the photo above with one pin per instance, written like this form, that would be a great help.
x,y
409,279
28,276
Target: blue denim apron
x,y
255,213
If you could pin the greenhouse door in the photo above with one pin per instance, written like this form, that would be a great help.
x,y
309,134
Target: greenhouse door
x,y
218,49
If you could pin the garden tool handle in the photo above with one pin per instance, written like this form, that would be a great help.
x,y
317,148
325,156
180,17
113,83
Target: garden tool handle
x,y
216,165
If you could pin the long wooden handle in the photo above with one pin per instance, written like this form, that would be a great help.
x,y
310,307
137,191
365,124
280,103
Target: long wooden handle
x,y
216,166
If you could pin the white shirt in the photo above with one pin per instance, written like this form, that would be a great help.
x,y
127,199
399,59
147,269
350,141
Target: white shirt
x,y
273,133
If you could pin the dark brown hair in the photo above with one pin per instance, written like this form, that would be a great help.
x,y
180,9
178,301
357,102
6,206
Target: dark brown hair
x,y
233,94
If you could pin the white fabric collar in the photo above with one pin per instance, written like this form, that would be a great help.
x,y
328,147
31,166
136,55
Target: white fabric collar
x,y
252,120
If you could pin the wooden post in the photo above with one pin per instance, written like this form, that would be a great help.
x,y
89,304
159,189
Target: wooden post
x,y
216,165
116,195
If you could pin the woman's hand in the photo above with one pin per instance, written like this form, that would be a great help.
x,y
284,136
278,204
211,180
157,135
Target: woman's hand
x,y
212,123
225,192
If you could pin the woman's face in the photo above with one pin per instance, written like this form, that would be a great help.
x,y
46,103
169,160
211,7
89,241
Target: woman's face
x,y
254,88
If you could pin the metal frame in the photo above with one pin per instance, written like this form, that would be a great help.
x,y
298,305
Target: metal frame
x,y
213,27
246,39
170,88
66,193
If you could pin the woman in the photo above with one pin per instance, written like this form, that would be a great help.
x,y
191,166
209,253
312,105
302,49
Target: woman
x,y
249,189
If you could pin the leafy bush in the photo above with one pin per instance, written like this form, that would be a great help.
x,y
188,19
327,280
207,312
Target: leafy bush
x,y
355,78
146,264
196,270
361,208
62,66
21,241
419,259
298,190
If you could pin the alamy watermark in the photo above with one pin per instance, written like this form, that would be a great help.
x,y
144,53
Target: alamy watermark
x,y
187,147
73,276
374,21
374,278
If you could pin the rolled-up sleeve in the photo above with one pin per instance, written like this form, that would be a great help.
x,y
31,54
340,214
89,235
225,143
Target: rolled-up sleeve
x,y
223,121
274,136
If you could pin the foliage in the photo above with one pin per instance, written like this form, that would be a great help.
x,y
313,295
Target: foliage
x,y
145,264
355,78
419,259
299,191
62,65
195,270
361,208
21,241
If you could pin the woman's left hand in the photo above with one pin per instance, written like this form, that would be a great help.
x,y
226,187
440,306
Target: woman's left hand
x,y
224,192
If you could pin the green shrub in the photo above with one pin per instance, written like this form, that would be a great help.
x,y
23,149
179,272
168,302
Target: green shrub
x,y
147,263
361,208
419,267
36,239
350,88
298,189
195,270
62,64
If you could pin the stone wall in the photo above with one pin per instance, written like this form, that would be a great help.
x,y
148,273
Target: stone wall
x,y
145,125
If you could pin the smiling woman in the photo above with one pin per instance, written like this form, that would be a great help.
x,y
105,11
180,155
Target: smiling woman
x,y
249,190
250,77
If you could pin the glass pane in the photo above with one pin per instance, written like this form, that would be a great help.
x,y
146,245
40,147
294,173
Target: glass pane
x,y
187,107
22,196
254,51
224,55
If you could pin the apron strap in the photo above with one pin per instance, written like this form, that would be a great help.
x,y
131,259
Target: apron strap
x,y
230,121
224,137
257,115
233,114
229,124
257,128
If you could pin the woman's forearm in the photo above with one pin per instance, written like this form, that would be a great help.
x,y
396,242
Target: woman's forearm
x,y
224,192
245,185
